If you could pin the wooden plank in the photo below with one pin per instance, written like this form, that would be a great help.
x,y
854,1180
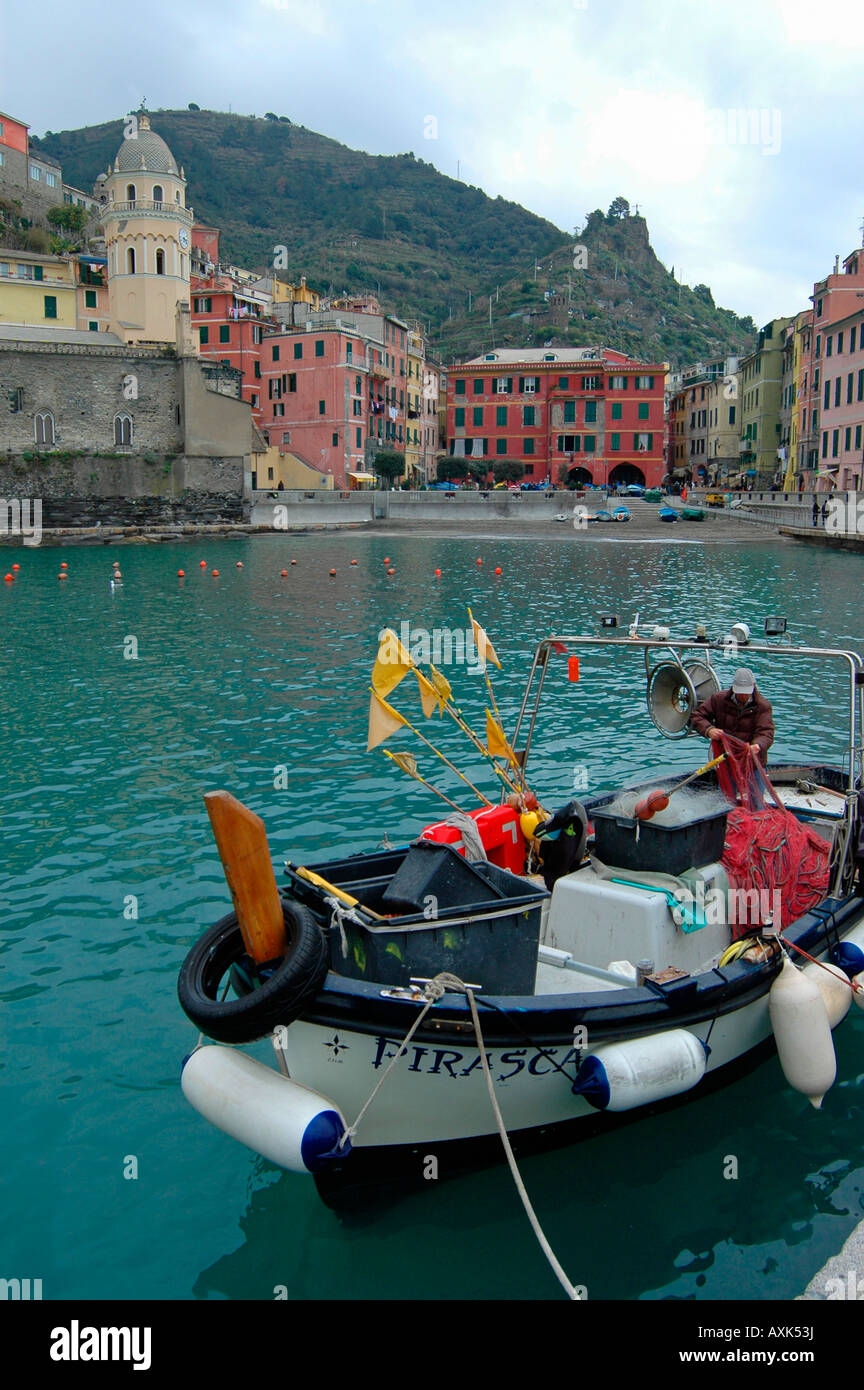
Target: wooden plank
x,y
242,843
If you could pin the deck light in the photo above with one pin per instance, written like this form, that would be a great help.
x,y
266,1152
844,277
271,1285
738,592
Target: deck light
x,y
775,627
609,621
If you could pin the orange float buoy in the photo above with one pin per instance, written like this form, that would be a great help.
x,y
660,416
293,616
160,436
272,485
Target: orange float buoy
x,y
283,573
497,569
332,572
437,574
62,575
239,564
9,578
181,574
16,567
117,575
355,562
63,565
293,562
391,570
202,564
215,574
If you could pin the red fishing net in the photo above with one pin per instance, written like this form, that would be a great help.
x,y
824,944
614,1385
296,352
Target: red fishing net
x,y
778,867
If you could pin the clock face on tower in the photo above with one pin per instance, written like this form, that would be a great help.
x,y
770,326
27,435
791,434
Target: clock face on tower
x,y
183,238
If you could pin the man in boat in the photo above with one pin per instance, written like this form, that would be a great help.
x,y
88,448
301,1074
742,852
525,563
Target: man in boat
x,y
741,711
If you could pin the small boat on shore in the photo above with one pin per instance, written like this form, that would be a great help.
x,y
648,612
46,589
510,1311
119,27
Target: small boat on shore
x,y
583,964
692,514
621,514
667,514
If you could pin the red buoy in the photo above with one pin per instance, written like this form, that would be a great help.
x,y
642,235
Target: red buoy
x,y
497,569
332,572
355,562
181,574
202,564
215,574
479,561
293,562
9,578
391,570
437,574
16,567
386,559
283,573
63,565
62,575
239,564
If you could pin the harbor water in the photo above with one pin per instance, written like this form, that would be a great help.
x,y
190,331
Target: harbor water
x,y
122,706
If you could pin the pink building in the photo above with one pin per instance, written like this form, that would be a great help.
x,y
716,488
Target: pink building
x,y
828,416
841,452
325,396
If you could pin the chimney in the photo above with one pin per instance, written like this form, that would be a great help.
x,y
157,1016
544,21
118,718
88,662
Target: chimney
x,y
836,265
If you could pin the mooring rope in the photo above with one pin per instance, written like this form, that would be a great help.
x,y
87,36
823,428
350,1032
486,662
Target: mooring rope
x,y
434,990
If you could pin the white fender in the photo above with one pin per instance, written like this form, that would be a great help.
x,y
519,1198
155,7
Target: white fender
x,y
620,1076
278,1118
833,984
802,1033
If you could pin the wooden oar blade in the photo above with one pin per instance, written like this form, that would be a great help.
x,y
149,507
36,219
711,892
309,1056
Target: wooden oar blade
x,y
242,843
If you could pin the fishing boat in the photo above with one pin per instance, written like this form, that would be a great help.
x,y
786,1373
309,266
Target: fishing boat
x,y
692,514
621,514
574,967
667,514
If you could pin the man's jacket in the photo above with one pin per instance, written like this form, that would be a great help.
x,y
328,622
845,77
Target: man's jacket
x,y
753,722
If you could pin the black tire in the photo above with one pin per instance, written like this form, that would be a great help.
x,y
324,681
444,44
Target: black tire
x,y
279,999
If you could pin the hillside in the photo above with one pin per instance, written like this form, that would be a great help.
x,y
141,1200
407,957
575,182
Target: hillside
x,y
395,225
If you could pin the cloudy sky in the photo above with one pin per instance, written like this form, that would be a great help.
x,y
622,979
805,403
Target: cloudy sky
x,y
735,126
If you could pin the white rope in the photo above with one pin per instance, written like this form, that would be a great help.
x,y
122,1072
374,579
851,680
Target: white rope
x,y
517,1178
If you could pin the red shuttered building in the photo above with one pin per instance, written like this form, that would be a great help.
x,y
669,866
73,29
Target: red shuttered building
x,y
594,411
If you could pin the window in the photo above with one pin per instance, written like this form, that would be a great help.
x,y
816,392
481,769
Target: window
x,y
358,386
319,347
819,309
826,402
500,446
50,306
322,407
860,394
43,427
160,261
617,383
503,385
298,351
643,410
815,380
93,326
569,412
528,446
616,443
349,352
477,386
255,401
643,442
335,438
528,385
590,412
852,331
130,193
563,383
89,299
459,388
819,339
589,444
569,443
356,407
731,415
459,416
123,429
616,410
257,370
130,261
50,179
839,343
847,442
500,415
203,335
270,474
204,305
829,342
35,173
224,333
158,194
837,385
591,383
835,443
528,415
857,436
824,444
275,352
849,388
477,415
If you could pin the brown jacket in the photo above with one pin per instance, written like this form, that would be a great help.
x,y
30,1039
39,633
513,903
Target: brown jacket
x,y
752,722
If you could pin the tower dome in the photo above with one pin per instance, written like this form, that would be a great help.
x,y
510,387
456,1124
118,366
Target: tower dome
x,y
144,149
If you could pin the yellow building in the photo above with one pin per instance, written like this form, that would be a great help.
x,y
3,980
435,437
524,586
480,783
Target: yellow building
x,y
147,228
414,455
800,362
38,290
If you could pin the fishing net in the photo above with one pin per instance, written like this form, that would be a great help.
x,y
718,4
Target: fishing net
x,y
778,866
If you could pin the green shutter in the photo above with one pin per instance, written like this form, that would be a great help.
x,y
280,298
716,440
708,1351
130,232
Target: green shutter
x,y
37,272
616,442
510,385
521,385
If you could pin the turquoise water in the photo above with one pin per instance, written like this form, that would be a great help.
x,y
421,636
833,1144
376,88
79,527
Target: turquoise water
x,y
105,762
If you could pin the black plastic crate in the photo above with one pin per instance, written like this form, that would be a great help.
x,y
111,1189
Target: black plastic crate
x,y
436,875
667,849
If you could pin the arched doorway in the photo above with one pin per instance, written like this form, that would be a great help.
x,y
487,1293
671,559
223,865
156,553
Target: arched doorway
x,y
623,474
578,477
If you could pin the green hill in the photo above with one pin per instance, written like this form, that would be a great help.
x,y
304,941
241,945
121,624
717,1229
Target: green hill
x,y
423,241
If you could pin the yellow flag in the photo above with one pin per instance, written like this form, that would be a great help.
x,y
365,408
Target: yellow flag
x,y
384,720
406,761
428,695
496,742
485,651
442,685
392,663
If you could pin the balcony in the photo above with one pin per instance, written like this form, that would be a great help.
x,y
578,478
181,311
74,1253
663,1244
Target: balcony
x,y
186,214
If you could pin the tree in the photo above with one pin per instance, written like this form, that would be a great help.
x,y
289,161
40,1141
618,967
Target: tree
x,y
619,207
389,464
69,216
508,470
270,116
193,106
449,468
563,473
478,469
